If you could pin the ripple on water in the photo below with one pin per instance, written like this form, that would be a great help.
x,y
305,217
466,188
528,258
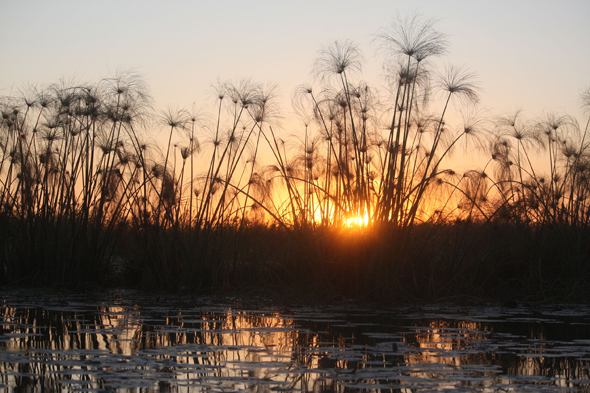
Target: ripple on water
x,y
124,342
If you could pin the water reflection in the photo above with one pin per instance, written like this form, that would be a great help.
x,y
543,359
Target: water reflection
x,y
133,343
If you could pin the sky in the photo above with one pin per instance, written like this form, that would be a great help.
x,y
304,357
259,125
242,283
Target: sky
x,y
532,55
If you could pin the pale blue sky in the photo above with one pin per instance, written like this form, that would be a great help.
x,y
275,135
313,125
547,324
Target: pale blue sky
x,y
529,54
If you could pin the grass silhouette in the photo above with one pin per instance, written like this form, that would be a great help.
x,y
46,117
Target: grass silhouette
x,y
88,198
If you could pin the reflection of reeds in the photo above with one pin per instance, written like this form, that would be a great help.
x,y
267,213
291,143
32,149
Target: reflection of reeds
x,y
85,193
307,349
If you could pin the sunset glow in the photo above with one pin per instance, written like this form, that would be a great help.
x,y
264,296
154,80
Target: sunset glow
x,y
358,221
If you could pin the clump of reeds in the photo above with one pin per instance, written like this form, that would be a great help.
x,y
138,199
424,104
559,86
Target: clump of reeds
x,y
362,202
70,161
193,242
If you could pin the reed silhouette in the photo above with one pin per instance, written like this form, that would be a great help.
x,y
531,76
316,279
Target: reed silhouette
x,y
362,201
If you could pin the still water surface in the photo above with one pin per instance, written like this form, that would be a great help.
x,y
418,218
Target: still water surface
x,y
127,342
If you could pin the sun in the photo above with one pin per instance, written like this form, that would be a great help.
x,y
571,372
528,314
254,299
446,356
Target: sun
x,y
358,221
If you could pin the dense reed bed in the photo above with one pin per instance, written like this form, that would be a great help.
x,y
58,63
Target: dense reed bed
x,y
362,201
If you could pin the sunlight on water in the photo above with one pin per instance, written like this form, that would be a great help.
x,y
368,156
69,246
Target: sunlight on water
x,y
133,343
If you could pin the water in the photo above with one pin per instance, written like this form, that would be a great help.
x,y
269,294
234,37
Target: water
x,y
127,342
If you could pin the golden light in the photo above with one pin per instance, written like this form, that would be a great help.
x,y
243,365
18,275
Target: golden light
x,y
360,220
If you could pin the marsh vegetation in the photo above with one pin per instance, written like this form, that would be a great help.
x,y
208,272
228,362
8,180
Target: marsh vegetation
x,y
362,201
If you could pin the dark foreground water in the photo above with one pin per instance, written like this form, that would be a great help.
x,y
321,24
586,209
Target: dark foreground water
x,y
127,342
